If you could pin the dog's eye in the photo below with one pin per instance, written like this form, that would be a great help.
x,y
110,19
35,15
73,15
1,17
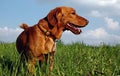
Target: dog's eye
x,y
73,13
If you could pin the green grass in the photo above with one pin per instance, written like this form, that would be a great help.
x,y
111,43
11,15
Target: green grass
x,y
75,59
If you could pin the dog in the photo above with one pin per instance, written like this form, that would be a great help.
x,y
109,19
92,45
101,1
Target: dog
x,y
37,41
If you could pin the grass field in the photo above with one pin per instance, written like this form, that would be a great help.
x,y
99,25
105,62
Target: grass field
x,y
75,59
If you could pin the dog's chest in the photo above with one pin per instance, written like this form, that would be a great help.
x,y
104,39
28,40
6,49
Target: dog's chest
x,y
49,44
44,46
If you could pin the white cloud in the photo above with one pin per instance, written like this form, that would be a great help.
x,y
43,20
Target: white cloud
x,y
9,34
92,37
99,33
107,2
111,24
107,7
95,13
98,2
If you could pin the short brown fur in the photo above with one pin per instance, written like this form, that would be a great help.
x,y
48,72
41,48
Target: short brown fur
x,y
33,42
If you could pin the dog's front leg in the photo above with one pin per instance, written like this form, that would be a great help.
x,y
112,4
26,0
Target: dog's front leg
x,y
52,56
51,60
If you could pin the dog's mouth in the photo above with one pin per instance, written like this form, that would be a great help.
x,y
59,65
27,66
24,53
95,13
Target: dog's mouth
x,y
73,28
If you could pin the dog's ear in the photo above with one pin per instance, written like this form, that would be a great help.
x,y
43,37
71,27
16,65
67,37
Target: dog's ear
x,y
54,16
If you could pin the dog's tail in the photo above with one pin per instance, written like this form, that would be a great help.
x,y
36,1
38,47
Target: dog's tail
x,y
24,26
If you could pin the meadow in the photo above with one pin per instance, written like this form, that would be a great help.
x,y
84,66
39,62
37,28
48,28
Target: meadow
x,y
76,59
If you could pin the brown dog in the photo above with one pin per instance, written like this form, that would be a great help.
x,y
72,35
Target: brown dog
x,y
36,41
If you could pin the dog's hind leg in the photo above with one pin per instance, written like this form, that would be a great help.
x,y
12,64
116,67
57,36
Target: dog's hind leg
x,y
31,63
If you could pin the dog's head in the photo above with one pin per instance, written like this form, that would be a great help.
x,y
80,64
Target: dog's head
x,y
65,18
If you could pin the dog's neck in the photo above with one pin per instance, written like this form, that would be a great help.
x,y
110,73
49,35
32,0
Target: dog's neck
x,y
49,25
50,30
55,30
46,28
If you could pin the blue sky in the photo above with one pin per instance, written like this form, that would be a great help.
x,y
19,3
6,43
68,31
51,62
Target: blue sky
x,y
103,16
